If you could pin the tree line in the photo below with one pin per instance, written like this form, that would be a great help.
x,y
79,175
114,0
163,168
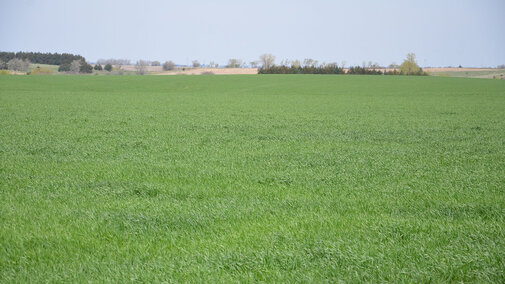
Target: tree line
x,y
76,66
40,58
309,66
331,68
71,63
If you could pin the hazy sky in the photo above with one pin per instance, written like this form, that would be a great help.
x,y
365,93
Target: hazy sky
x,y
440,32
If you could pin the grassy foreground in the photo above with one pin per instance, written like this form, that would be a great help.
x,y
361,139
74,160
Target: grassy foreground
x,y
251,178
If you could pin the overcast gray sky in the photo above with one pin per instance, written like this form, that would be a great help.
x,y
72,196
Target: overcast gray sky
x,y
441,33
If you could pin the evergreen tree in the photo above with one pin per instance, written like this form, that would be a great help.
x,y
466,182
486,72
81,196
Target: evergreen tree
x,y
65,67
41,58
85,67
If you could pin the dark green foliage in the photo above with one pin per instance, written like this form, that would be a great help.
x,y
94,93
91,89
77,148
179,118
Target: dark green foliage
x,y
108,67
41,58
3,64
85,67
283,69
393,72
331,69
98,67
6,56
398,72
357,70
65,67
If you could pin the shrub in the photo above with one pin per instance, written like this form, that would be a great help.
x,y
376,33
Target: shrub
x,y
108,67
4,72
98,67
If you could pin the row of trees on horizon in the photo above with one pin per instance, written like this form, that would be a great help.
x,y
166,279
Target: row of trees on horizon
x,y
309,66
40,58
71,63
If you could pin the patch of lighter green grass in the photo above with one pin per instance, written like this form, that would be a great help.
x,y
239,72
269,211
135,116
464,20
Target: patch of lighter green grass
x,y
53,68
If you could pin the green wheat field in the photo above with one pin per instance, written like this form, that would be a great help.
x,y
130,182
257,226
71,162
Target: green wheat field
x,y
261,178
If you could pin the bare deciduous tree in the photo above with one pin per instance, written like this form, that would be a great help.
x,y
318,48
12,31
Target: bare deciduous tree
x,y
120,62
332,65
196,63
169,65
285,62
234,63
213,64
267,60
141,67
17,64
117,62
308,62
374,65
75,66
253,64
